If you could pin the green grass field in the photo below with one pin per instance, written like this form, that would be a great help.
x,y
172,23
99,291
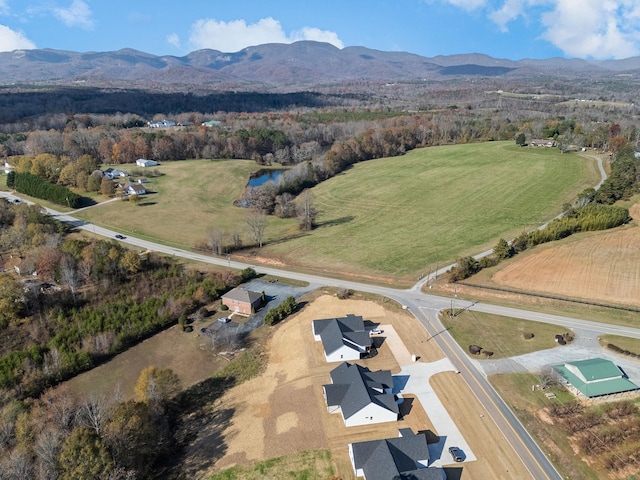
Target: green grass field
x,y
501,335
387,219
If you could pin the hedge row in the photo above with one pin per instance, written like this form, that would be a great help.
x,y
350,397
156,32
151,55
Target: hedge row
x,y
36,187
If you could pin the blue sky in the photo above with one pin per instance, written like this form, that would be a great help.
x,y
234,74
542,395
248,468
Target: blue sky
x,y
511,29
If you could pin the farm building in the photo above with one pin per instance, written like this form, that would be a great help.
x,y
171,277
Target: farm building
x,y
142,162
342,338
594,377
361,396
406,456
244,302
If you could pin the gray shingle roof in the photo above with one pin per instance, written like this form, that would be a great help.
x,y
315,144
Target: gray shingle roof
x,y
334,332
395,458
354,387
242,295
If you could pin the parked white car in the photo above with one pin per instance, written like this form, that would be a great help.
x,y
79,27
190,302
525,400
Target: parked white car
x,y
376,331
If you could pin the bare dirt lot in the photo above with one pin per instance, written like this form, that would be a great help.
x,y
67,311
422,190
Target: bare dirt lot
x,y
283,410
598,266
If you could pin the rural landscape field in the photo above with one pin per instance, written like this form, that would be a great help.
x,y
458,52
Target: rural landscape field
x,y
453,200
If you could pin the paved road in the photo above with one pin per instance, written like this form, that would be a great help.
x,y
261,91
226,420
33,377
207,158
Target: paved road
x,y
425,308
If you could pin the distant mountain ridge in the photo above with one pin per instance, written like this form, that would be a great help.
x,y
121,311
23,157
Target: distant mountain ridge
x,y
270,65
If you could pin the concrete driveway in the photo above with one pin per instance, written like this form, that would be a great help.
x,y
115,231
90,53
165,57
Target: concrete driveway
x,y
414,378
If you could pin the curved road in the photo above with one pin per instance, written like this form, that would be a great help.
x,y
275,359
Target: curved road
x,y
425,308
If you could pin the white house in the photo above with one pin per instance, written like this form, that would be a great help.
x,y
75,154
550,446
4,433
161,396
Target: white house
x,y
361,396
342,338
135,189
406,456
143,162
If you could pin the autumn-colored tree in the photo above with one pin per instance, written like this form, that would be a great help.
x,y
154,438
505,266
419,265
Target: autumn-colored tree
x,y
156,385
93,183
48,263
10,304
107,187
131,261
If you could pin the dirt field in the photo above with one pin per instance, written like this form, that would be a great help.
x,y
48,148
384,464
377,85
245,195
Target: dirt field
x,y
283,410
599,266
185,353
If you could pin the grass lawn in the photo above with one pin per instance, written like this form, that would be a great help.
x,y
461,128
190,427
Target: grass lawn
x,y
625,343
308,465
501,335
389,219
186,200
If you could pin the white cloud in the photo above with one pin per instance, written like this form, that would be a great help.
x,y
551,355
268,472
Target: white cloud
x,y
173,39
579,28
78,14
4,8
237,34
468,5
11,40
594,28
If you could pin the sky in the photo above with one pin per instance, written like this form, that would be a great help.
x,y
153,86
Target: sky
x,y
512,29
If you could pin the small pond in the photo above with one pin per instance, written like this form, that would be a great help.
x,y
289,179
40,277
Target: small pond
x,y
263,176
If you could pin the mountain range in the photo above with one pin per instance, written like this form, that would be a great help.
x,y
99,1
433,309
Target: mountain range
x,y
265,66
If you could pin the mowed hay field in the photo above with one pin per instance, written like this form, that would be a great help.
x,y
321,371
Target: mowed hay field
x,y
387,220
600,266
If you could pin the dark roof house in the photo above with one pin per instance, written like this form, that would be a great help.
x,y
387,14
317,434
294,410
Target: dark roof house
x,y
403,457
361,396
342,338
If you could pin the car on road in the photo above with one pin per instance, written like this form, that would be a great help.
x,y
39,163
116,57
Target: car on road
x,y
120,237
456,454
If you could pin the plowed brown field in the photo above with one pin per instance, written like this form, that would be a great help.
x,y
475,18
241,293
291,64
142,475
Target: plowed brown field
x,y
600,266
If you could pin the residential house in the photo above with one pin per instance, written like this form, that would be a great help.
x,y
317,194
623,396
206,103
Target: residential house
x,y
403,457
594,377
112,173
536,142
361,396
342,338
244,302
134,189
162,124
142,162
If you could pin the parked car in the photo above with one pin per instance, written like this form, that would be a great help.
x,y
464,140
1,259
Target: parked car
x,y
224,319
456,454
120,237
376,331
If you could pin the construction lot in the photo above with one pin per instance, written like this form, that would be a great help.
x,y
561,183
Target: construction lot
x,y
283,411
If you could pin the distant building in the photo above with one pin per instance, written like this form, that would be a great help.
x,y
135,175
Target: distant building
x,y
135,189
211,123
142,162
536,142
162,124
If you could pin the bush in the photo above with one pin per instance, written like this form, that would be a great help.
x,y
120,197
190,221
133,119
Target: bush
x,y
280,312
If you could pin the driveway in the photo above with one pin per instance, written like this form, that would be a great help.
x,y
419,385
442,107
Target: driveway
x,y
414,378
